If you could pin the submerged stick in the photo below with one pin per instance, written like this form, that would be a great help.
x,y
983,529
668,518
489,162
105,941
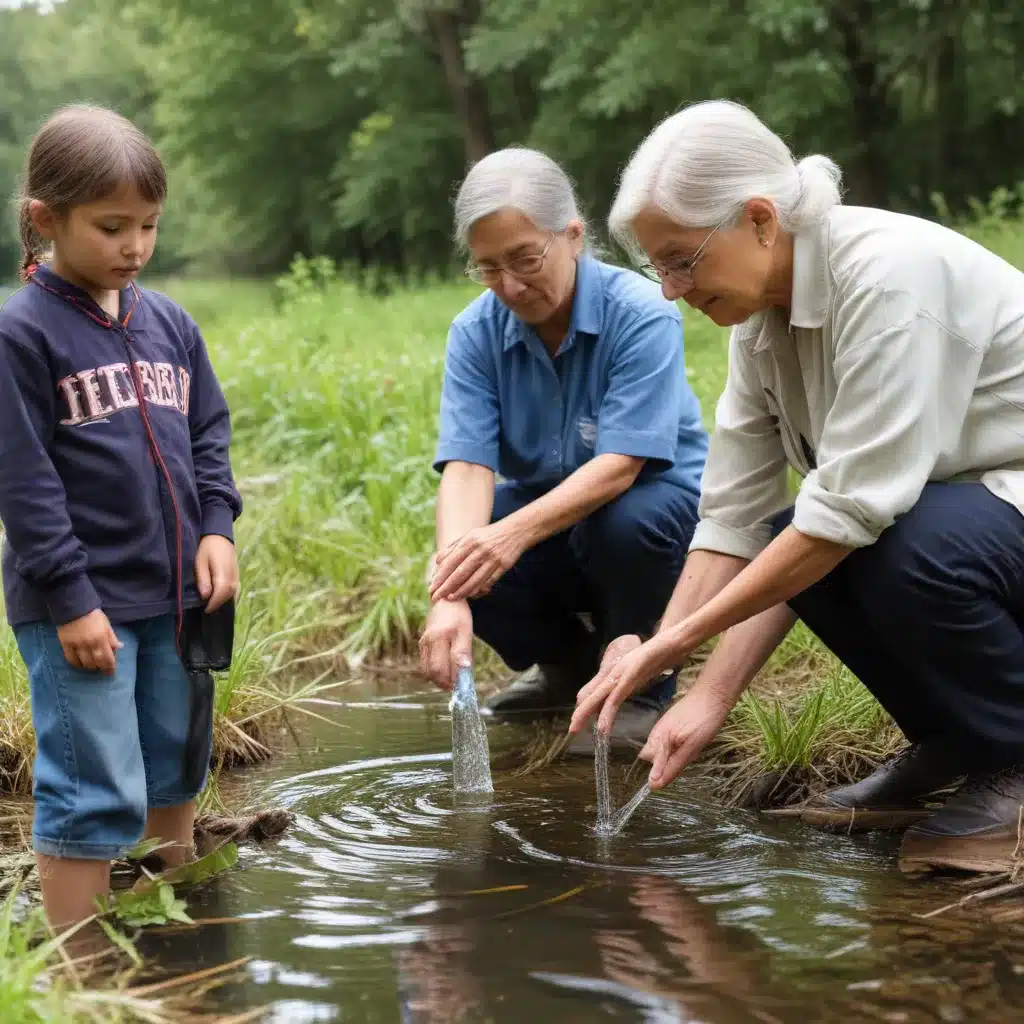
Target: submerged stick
x,y
568,895
977,897
471,759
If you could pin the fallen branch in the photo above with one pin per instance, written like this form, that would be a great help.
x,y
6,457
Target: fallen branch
x,y
187,979
977,897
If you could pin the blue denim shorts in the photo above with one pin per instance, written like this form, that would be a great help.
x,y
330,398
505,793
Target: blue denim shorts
x,y
107,747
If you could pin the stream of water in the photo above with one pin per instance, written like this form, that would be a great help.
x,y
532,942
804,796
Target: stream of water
x,y
387,902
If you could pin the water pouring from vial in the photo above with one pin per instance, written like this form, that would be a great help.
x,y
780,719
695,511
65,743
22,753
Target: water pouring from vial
x,y
611,823
471,759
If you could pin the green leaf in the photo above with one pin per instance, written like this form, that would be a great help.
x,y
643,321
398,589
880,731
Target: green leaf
x,y
177,913
166,896
122,942
155,905
214,863
140,851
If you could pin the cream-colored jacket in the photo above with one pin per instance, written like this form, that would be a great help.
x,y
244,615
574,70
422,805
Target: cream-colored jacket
x,y
902,362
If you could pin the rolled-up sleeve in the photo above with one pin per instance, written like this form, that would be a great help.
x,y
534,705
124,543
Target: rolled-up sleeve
x,y
903,387
639,413
744,483
470,415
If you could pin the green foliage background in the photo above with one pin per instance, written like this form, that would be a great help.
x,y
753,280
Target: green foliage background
x,y
340,127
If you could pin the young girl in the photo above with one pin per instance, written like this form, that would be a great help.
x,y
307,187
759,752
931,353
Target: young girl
x,y
118,503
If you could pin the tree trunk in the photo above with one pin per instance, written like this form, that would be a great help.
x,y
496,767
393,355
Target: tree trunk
x,y
872,112
469,95
950,101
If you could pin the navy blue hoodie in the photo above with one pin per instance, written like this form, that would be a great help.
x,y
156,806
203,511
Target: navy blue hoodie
x,y
101,499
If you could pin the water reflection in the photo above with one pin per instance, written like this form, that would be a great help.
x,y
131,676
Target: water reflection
x,y
389,902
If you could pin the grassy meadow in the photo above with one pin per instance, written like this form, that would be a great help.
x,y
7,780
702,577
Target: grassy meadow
x,y
334,395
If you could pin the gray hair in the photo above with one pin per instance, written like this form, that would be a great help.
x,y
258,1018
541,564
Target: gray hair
x,y
702,164
520,179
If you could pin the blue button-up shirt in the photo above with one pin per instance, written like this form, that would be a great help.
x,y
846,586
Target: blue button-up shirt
x,y
617,384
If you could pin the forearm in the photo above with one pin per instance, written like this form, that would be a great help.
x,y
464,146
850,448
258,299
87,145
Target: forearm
x,y
704,576
220,504
584,492
741,654
790,564
465,501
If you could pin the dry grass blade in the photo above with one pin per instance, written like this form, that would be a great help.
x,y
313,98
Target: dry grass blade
x,y
189,979
490,892
294,700
249,743
560,898
546,744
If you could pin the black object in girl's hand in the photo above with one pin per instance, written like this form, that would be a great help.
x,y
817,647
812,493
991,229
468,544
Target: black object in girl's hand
x,y
206,640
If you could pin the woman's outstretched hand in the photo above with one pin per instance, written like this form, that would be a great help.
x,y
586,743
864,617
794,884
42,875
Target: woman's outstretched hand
x,y
682,733
627,666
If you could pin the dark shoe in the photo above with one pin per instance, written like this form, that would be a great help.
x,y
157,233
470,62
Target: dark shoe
x,y
537,693
978,829
893,797
549,689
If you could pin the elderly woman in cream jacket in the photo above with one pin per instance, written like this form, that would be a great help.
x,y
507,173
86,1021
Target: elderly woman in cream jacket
x,y
882,357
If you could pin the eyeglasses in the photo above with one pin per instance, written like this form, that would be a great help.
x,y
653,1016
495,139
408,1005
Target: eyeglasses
x,y
520,267
681,270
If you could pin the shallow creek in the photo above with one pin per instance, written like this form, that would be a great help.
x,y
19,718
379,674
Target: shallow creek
x,y
386,902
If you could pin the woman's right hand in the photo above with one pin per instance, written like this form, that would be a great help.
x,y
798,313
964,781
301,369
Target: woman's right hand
x,y
683,732
447,642
90,642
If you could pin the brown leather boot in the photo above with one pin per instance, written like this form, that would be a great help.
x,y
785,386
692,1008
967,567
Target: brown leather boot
x,y
893,797
978,829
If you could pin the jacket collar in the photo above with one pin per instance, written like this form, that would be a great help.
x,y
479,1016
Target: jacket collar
x,y
812,290
132,308
811,294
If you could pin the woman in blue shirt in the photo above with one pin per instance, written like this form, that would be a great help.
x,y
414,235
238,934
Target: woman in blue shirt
x,y
566,380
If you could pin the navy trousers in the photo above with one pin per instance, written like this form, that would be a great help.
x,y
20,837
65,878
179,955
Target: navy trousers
x,y
930,618
620,565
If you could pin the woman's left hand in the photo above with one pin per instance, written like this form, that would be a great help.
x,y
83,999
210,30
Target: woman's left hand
x,y
470,566
216,571
613,685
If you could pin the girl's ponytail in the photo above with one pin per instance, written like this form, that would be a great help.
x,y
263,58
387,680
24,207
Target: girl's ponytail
x,y
30,240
